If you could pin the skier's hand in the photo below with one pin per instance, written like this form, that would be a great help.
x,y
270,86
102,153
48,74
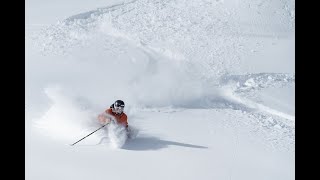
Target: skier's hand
x,y
127,129
107,121
128,132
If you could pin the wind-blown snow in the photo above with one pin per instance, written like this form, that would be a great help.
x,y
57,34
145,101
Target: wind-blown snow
x,y
208,86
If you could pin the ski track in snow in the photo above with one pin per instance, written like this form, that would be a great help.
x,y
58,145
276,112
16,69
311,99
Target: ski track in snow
x,y
147,24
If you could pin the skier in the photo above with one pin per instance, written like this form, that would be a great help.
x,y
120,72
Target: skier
x,y
115,110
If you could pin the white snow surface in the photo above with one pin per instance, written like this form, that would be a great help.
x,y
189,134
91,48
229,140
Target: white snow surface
x,y
209,87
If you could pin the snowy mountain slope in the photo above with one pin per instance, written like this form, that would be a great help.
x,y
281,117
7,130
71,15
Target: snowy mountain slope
x,y
209,85
188,144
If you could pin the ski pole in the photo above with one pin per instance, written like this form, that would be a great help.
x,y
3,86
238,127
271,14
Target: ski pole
x,y
89,134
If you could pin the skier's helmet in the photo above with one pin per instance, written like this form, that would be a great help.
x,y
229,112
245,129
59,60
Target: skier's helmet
x,y
118,106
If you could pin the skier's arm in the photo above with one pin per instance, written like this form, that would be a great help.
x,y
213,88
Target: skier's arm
x,y
103,118
126,122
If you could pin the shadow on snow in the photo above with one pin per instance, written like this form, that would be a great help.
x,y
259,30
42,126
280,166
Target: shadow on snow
x,y
153,143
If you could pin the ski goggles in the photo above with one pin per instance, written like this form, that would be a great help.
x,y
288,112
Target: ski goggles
x,y
119,109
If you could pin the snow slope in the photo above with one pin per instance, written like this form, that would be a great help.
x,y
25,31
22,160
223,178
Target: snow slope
x,y
209,87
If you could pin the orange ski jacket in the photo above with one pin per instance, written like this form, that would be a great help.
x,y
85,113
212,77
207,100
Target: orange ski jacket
x,y
121,118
